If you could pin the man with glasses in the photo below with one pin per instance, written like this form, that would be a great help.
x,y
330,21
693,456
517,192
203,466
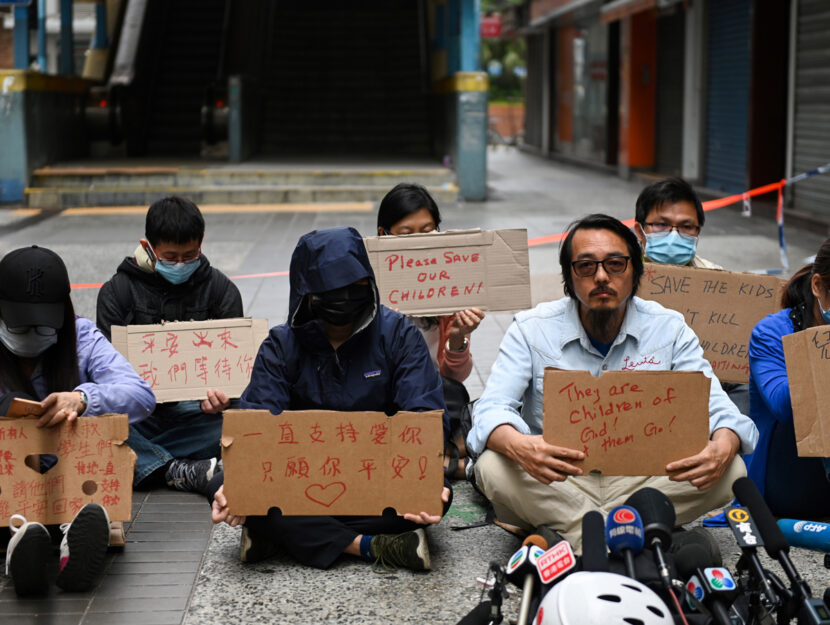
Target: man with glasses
x,y
169,279
669,218
599,326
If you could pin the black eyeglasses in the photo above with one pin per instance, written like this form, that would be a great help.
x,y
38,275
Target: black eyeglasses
x,y
585,268
659,227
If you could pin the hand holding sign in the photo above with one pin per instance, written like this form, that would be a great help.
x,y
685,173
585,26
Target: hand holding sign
x,y
705,469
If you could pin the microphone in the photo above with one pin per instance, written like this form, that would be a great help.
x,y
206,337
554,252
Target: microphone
x,y
594,556
521,571
806,534
711,586
624,535
810,610
749,539
657,513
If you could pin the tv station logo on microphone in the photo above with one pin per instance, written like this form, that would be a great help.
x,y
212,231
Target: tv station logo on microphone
x,y
556,561
809,527
743,527
719,578
624,515
695,589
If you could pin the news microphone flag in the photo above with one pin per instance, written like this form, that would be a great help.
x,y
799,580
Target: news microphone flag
x,y
806,534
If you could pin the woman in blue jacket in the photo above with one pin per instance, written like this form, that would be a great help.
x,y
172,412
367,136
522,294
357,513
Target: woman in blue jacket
x,y
792,486
336,332
50,356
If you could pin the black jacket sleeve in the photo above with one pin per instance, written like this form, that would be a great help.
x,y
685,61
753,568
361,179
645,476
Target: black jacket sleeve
x,y
108,309
228,301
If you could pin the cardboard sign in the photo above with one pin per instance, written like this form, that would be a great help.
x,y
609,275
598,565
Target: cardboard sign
x,y
94,465
627,422
807,354
321,462
25,408
441,273
181,360
721,307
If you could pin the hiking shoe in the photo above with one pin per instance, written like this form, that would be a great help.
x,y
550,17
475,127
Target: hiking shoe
x,y
697,536
254,548
408,551
27,556
84,548
191,475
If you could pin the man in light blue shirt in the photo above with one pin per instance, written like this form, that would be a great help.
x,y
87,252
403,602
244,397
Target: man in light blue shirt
x,y
599,326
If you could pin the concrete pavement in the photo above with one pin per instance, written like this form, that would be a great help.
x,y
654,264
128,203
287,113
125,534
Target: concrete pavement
x,y
526,192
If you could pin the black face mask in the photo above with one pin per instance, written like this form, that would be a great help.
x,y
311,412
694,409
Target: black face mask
x,y
343,306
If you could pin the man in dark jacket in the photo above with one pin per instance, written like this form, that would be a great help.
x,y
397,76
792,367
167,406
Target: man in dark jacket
x,y
336,332
169,279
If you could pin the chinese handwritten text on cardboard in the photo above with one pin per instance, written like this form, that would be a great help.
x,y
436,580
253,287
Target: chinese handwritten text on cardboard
x,y
319,462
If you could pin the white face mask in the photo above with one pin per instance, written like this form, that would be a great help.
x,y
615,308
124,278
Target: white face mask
x,y
28,344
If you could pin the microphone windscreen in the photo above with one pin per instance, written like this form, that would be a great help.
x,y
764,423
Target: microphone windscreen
x,y
594,556
748,494
624,530
689,558
536,539
657,512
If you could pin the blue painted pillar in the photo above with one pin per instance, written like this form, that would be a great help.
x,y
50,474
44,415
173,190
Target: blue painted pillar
x,y
67,64
470,36
41,35
21,37
99,41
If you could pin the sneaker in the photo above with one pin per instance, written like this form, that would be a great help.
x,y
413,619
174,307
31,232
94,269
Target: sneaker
x,y
191,475
84,548
697,536
408,550
27,556
254,548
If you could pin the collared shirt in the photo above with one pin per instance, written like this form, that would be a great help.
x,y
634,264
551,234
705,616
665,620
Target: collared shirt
x,y
551,335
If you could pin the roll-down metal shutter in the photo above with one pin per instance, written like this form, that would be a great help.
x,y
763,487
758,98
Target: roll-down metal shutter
x,y
727,98
811,131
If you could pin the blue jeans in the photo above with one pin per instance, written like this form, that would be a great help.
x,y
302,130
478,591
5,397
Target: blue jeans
x,y
175,430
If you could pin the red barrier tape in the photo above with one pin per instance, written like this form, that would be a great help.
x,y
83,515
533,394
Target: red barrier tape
x,y
535,241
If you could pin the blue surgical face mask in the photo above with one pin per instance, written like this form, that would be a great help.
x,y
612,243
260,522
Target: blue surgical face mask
x,y
670,248
824,313
178,273
26,344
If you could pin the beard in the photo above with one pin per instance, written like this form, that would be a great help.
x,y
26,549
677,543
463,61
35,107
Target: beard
x,y
602,323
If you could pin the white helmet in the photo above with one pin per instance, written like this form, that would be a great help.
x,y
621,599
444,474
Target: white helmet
x,y
596,598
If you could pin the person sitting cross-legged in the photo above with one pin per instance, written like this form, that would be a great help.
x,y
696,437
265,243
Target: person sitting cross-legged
x,y
599,326
169,279
336,332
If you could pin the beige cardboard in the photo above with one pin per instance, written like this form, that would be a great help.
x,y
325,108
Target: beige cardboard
x,y
320,462
181,360
721,307
627,422
25,408
441,273
807,354
94,465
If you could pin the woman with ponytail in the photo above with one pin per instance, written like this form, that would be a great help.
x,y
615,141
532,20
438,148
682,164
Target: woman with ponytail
x,y
792,486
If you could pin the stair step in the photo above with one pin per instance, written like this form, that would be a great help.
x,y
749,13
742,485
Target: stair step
x,y
58,198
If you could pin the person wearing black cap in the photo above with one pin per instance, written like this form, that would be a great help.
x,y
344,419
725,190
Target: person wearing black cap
x,y
169,279
47,354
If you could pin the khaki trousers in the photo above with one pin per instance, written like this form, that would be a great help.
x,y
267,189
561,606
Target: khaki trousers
x,y
522,500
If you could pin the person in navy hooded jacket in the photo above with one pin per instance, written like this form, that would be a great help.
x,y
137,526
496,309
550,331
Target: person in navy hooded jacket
x,y
336,331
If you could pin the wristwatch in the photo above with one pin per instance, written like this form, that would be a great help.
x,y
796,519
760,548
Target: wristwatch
x,y
463,346
84,399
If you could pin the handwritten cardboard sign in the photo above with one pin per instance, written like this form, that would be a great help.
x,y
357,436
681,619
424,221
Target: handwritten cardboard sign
x,y
320,462
721,307
627,422
807,354
181,360
441,273
94,465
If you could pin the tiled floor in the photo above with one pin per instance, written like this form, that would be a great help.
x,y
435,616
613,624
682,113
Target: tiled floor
x,y
149,581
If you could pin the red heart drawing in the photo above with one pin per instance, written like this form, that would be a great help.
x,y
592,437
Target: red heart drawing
x,y
318,493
